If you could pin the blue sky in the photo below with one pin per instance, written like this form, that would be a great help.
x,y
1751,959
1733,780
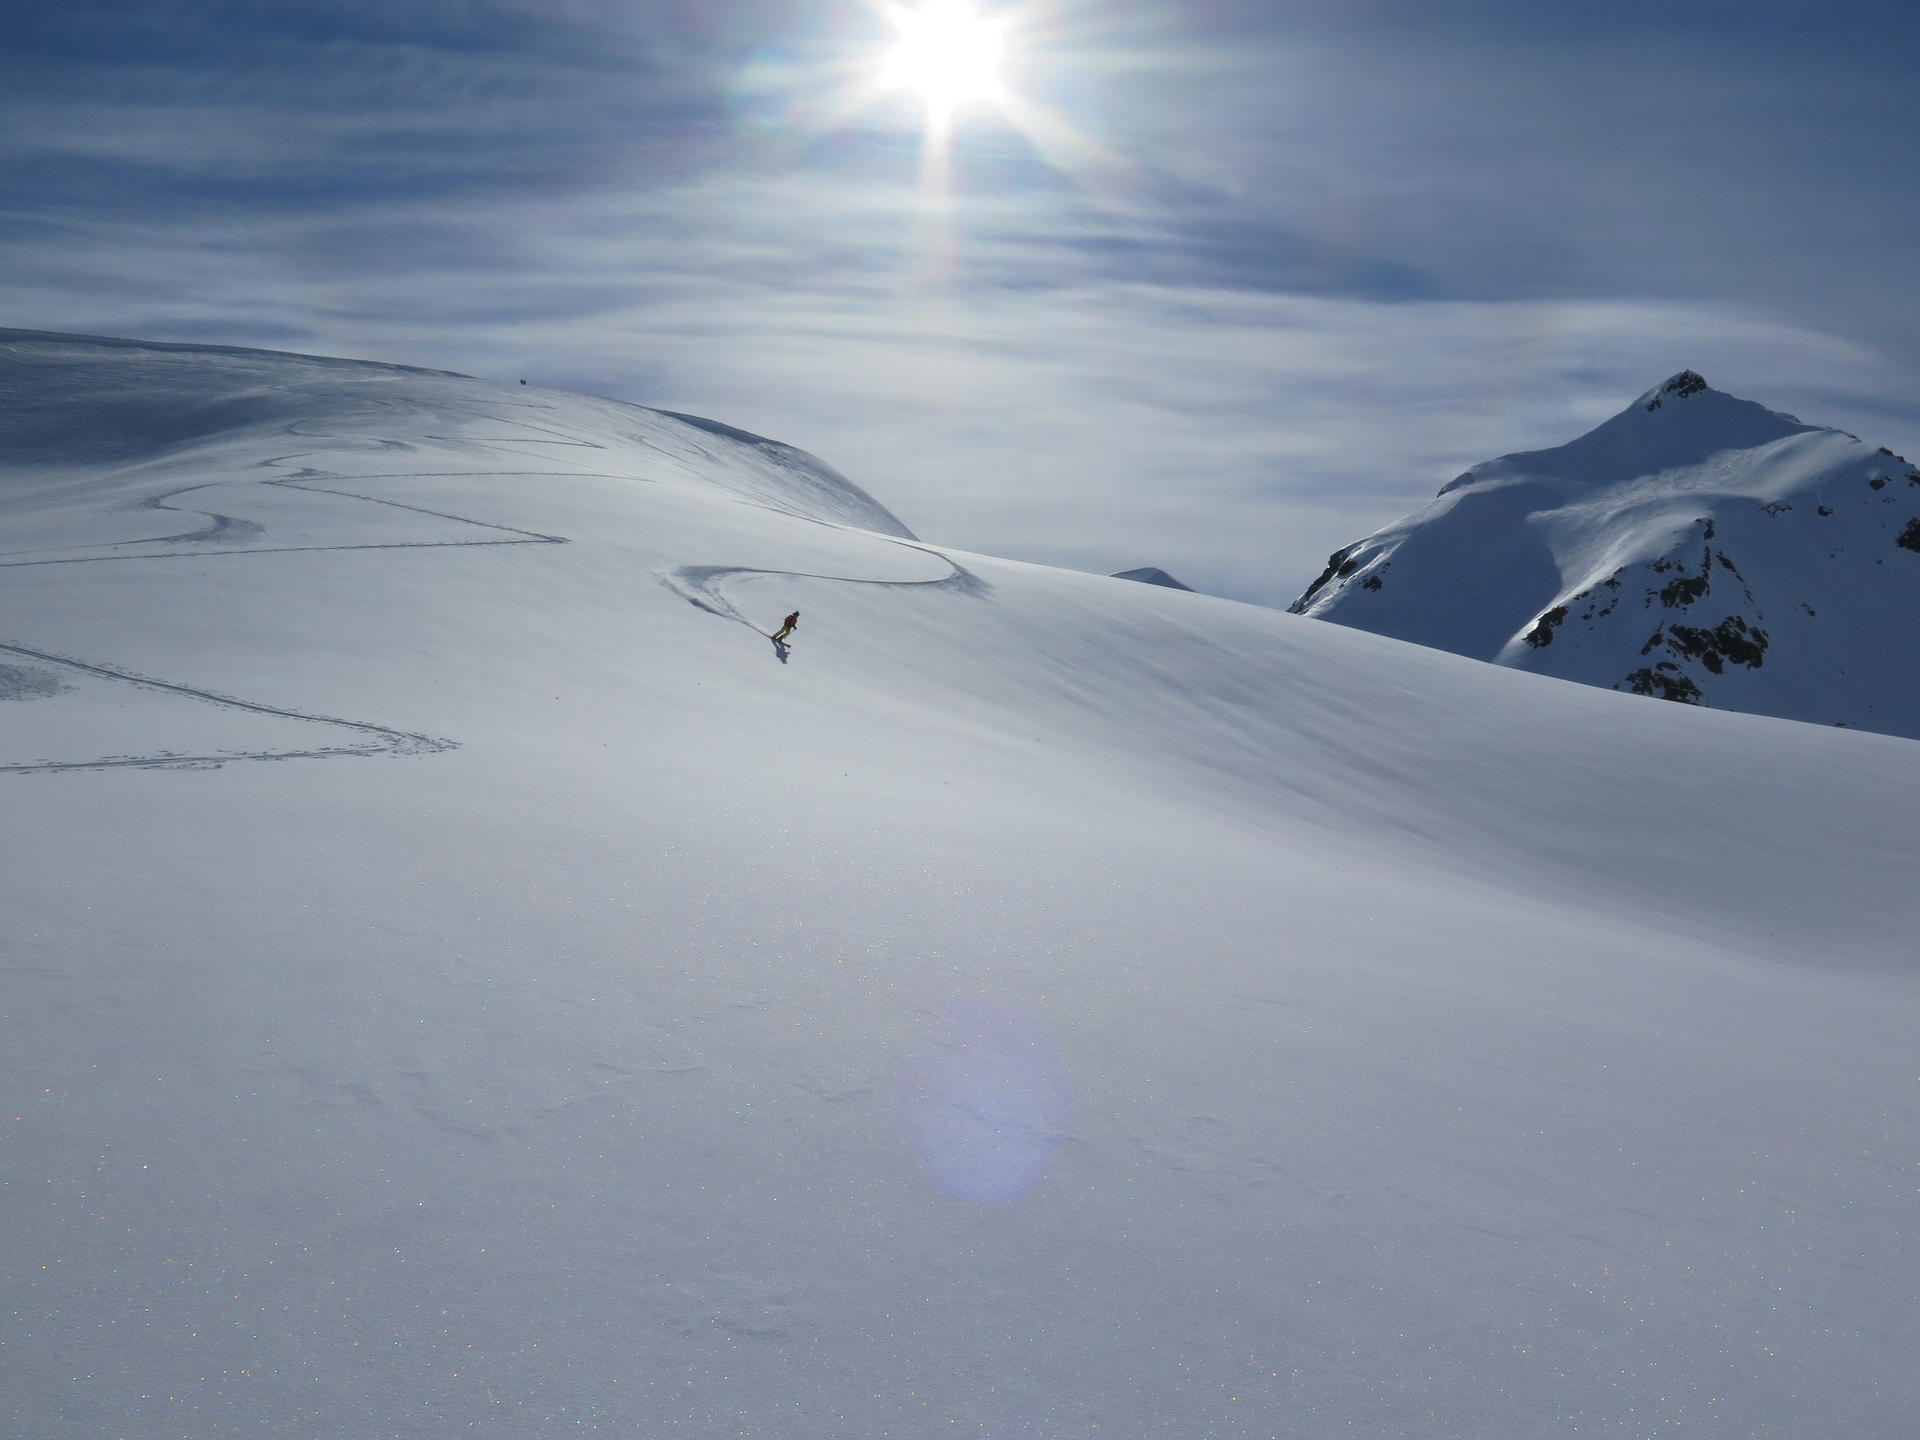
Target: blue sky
x,y
1264,278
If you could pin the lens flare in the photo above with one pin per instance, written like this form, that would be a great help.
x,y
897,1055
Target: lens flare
x,y
986,1101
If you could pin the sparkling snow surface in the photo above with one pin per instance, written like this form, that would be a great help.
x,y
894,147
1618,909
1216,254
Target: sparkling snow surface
x,y
460,978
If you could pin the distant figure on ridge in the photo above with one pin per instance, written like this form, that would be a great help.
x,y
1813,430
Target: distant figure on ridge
x,y
786,629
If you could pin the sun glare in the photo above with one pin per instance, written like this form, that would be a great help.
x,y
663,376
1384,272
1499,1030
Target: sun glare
x,y
948,54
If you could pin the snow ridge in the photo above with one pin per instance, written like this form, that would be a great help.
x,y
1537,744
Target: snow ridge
x,y
1152,575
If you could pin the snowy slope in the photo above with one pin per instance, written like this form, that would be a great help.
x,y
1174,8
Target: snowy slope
x,y
463,980
1696,547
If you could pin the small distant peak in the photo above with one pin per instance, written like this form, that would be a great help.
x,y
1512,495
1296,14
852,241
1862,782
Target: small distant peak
x,y
1152,575
1687,382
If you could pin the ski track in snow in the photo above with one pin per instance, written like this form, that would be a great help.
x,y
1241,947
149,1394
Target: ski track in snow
x,y
704,586
304,480
701,585
393,742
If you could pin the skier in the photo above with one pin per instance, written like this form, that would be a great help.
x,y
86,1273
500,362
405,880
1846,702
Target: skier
x,y
786,628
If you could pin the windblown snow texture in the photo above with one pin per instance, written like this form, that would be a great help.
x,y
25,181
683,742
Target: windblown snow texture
x,y
459,979
1696,547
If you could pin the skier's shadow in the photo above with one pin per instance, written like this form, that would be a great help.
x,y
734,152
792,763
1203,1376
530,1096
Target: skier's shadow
x,y
780,650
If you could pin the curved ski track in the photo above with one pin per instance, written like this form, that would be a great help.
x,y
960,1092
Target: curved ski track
x,y
305,478
392,742
703,586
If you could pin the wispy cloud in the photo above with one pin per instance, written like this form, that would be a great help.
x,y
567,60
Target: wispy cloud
x,y
1298,266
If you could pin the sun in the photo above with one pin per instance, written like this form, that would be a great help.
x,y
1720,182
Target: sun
x,y
948,53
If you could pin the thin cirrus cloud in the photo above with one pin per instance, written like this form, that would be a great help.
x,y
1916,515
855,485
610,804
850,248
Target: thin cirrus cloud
x,y
1265,278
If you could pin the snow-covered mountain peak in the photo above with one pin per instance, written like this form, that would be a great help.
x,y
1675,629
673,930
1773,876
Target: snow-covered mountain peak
x,y
1696,546
1679,423
1151,575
